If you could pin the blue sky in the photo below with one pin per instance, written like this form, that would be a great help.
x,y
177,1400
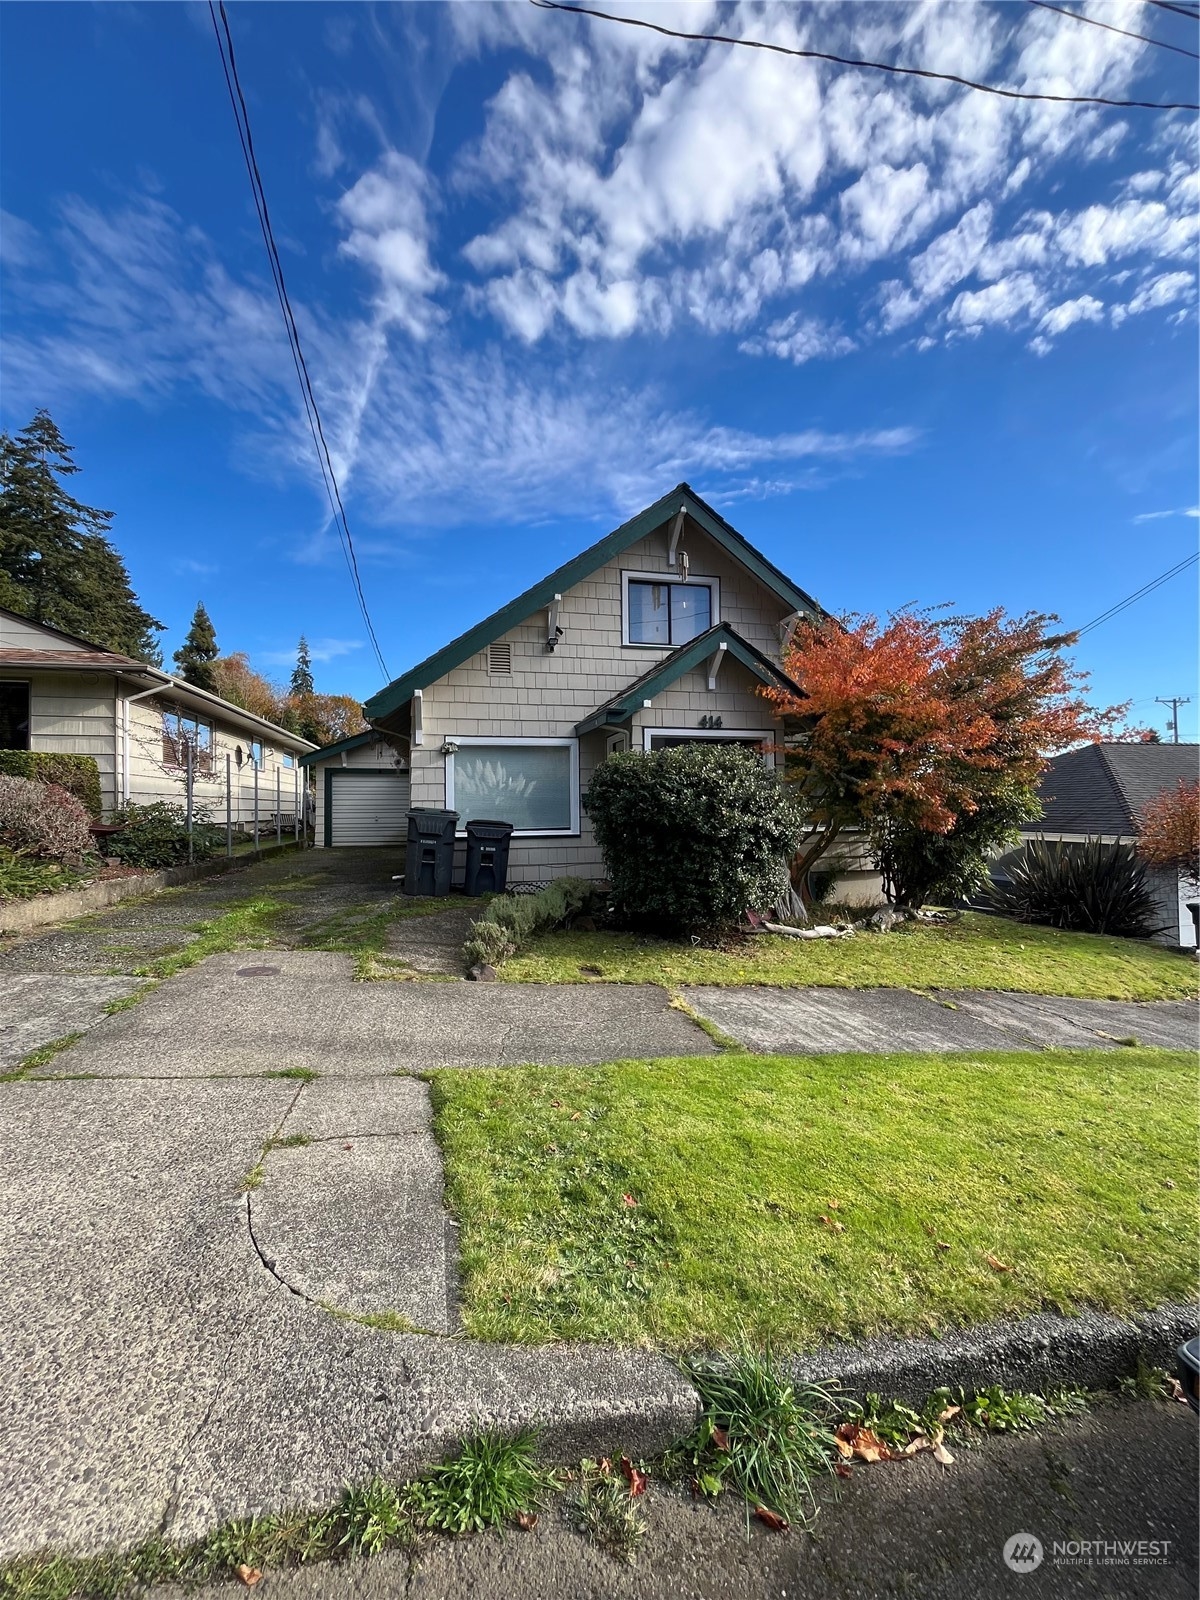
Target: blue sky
x,y
919,344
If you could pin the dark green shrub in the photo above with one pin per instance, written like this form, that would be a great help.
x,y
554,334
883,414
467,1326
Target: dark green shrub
x,y
511,920
1091,887
918,866
156,835
78,775
692,836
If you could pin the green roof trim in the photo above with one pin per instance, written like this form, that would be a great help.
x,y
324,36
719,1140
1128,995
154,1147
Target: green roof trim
x,y
664,673
352,743
575,571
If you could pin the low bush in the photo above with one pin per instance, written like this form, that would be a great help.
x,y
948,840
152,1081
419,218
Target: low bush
x,y
156,835
43,821
78,775
22,878
692,836
511,920
1091,887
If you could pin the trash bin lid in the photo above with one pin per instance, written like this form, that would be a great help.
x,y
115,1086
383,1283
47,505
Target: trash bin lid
x,y
487,827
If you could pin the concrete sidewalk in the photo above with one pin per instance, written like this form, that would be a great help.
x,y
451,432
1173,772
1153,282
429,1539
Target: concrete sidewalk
x,y
161,1372
810,1021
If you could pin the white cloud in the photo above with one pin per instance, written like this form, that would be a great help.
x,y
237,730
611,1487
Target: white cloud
x,y
1157,516
999,305
799,339
386,213
1061,317
321,650
1164,291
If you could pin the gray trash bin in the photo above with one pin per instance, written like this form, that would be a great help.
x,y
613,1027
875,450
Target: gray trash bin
x,y
487,856
429,856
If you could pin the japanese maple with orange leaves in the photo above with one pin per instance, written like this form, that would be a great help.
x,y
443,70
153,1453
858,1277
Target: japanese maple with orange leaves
x,y
924,720
1169,830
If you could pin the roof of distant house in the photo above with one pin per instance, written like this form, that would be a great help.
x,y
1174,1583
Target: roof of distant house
x,y
1102,789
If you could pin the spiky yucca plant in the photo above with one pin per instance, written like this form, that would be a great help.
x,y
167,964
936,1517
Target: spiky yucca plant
x,y
1091,887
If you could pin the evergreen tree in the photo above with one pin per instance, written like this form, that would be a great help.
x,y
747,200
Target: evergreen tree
x,y
57,565
195,656
302,678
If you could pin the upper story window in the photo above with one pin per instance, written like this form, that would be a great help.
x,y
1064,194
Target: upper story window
x,y
659,611
179,731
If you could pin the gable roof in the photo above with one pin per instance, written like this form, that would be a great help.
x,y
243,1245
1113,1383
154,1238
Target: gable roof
x,y
1103,788
665,672
368,736
682,497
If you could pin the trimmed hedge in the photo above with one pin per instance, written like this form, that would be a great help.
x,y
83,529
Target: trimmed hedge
x,y
78,775
43,821
511,920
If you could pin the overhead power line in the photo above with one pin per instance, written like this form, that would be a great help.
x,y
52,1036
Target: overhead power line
x,y
312,413
1094,22
1190,12
871,66
1140,594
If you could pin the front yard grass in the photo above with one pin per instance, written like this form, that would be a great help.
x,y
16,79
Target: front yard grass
x,y
976,952
698,1203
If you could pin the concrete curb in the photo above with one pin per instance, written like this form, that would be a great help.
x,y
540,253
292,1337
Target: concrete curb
x,y
1033,1354
19,916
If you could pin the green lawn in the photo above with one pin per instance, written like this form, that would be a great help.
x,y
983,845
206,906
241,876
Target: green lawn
x,y
680,1203
977,952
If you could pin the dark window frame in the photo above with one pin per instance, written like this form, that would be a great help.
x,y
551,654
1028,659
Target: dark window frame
x,y
187,729
668,584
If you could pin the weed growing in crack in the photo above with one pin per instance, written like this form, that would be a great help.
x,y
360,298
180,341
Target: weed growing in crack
x,y
41,1057
289,1141
375,1517
605,1511
759,1434
490,1482
722,1040
254,1178
1144,1382
128,1001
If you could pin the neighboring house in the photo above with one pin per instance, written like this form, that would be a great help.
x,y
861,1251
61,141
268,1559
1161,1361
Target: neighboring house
x,y
661,633
64,694
1099,792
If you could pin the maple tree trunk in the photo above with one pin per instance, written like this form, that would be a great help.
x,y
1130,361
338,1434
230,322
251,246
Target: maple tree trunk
x,y
802,863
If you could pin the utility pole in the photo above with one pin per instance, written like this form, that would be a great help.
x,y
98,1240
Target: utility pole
x,y
1174,701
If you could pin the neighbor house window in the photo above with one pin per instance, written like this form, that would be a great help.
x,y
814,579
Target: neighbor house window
x,y
748,738
532,783
256,752
661,612
289,760
14,716
178,732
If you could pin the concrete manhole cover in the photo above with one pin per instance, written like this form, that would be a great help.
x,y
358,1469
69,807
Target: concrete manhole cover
x,y
258,972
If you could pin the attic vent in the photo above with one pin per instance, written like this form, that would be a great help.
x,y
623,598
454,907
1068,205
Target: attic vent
x,y
499,658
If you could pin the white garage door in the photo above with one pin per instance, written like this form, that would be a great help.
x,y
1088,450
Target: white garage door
x,y
368,807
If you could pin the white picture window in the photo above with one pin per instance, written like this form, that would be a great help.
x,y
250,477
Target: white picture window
x,y
664,612
532,783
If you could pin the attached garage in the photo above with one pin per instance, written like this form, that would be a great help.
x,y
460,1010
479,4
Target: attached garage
x,y
365,807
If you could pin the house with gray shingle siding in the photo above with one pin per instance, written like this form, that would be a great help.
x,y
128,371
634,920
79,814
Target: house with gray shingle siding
x,y
664,631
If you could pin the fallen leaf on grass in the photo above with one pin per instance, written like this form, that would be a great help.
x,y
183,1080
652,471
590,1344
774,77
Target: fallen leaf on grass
x,y
627,1199
832,1223
940,1453
844,1448
940,1244
996,1264
249,1575
527,1520
771,1519
576,1115
1167,1183
720,1438
950,1411
916,1444
635,1477
557,1104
